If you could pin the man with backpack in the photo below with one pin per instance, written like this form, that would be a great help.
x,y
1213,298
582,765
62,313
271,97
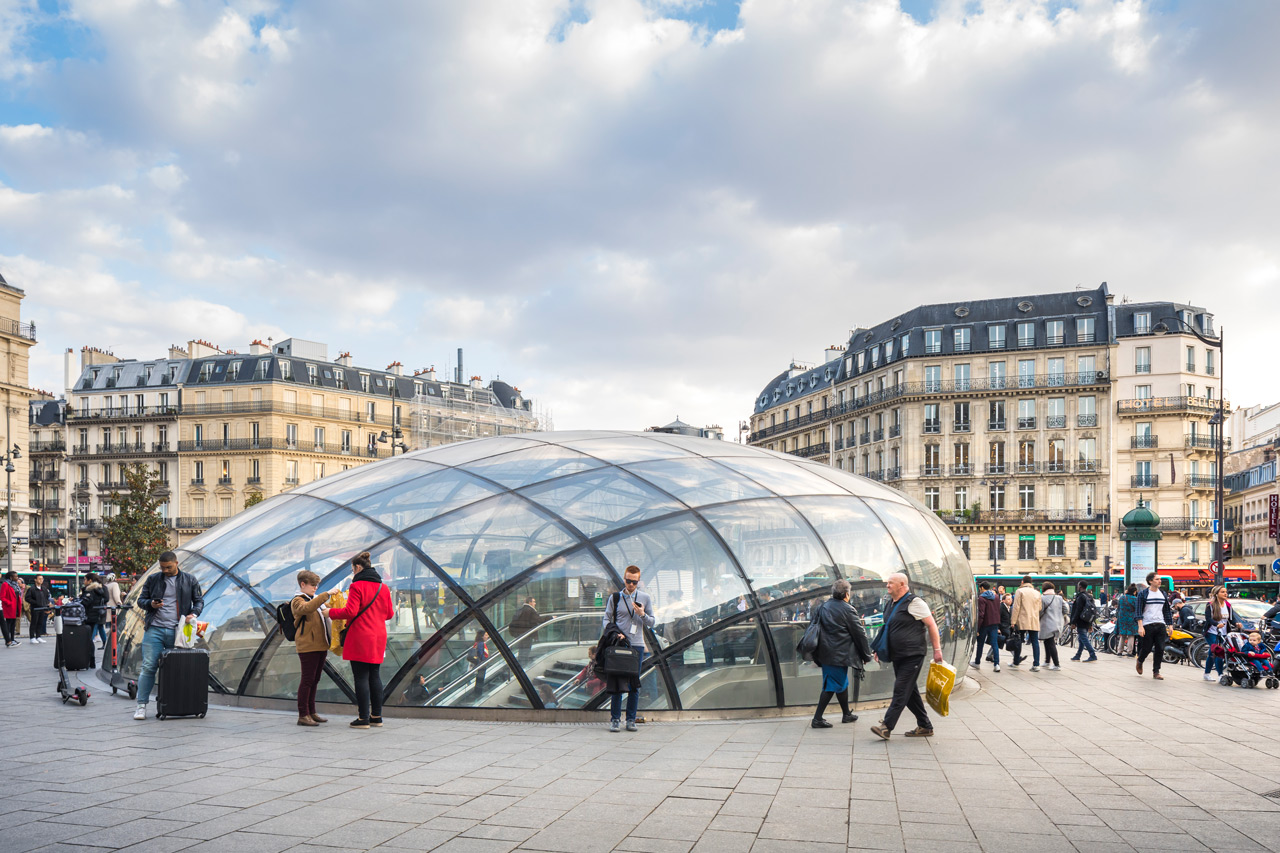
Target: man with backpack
x,y
627,614
1083,614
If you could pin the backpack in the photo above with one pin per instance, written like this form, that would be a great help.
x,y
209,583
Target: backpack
x,y
285,619
73,613
1089,612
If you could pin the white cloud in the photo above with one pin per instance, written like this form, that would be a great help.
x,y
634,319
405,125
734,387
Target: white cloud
x,y
624,216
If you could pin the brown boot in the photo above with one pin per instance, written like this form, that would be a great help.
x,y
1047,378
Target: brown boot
x,y
307,721
318,718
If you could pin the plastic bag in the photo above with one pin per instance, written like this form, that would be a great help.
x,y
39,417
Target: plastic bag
x,y
942,679
186,634
337,599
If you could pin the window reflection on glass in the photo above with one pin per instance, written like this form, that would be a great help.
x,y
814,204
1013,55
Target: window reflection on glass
x,y
774,546
259,525
689,577
278,675
698,481
487,543
920,548
355,483
237,626
856,537
552,622
781,476
727,669
522,467
324,546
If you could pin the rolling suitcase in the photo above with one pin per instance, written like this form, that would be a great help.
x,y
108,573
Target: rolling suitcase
x,y
74,649
182,683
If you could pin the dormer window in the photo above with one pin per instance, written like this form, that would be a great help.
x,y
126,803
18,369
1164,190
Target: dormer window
x,y
233,372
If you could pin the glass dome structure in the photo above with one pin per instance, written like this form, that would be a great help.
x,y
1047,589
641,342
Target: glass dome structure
x,y
734,543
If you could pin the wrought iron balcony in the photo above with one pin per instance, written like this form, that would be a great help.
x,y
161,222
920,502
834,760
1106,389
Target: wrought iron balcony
x,y
997,425
56,445
962,470
1026,423
1205,442
46,504
893,473
20,330
895,430
224,481
198,522
932,427
1144,481
1144,442
1059,467
1148,405
864,438
962,426
1088,466
930,470
1201,481
878,435
810,451
996,468
1027,468
1055,422
1086,420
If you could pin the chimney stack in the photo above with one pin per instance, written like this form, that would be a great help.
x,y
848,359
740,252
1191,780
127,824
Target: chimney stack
x,y
259,348
430,373
396,367
344,358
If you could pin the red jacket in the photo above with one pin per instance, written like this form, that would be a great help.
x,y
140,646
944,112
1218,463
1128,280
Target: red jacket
x,y
366,636
12,603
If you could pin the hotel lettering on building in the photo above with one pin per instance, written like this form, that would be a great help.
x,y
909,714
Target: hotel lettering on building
x,y
1029,424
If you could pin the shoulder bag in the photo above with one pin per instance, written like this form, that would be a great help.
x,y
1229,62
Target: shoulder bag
x,y
342,637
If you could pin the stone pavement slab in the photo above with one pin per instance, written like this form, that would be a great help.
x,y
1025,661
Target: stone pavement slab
x,y
1090,759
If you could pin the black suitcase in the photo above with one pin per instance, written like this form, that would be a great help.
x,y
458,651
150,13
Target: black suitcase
x,y
74,648
182,683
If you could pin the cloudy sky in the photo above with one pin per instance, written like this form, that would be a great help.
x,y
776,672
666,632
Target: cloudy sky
x,y
632,209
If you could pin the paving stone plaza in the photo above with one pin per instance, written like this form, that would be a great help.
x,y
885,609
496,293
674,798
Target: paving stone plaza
x,y
1091,758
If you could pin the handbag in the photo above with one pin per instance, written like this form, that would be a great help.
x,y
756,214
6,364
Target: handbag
x,y
621,660
342,637
808,645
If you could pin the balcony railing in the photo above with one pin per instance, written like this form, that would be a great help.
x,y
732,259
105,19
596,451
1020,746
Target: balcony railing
x,y
122,412
291,481
963,470
224,481
1144,442
1201,481
46,504
1142,368
1086,420
1192,523
893,473
1205,442
810,451
878,435
875,475
21,330
996,468
254,481
1015,516
1147,405
112,485
962,426
928,387
864,438
1144,481
930,470
47,535
1088,466
997,425
80,486
198,522
267,443
197,481
44,477
1027,468
932,427
895,430
1055,422
1026,423
56,445
253,407
1059,467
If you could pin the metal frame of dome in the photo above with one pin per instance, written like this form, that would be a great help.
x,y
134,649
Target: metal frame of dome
x,y
511,477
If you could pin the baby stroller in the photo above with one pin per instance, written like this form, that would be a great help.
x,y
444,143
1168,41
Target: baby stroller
x,y
1243,668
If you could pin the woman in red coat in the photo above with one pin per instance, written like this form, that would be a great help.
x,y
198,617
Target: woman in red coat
x,y
11,602
367,610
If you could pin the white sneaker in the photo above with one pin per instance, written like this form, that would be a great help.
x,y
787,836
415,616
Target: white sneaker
x,y
996,668
1209,676
140,713
1035,669
1055,667
38,640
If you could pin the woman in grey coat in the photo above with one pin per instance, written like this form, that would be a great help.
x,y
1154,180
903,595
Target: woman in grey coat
x,y
1053,614
842,643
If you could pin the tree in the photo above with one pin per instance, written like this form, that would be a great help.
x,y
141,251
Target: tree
x,y
254,498
136,534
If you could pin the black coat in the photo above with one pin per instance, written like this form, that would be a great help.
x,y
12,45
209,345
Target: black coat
x,y
842,641
1078,605
1006,619
94,599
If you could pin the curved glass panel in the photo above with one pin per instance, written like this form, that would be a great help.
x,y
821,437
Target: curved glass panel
x,y
775,547
698,481
620,449
201,543
465,451
782,477
857,539
552,621
688,575
129,625
860,486
278,674
702,447
408,503
522,467
489,542
353,484
324,544
244,537
457,674
736,673
599,501
801,679
237,626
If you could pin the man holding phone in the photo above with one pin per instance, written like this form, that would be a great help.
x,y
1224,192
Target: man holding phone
x,y
632,611
168,597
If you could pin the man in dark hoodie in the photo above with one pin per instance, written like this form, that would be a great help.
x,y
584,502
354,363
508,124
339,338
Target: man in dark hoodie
x,y
988,625
1083,614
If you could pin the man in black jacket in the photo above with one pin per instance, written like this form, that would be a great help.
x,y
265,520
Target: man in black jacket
x,y
526,619
989,620
902,641
168,597
1083,612
37,598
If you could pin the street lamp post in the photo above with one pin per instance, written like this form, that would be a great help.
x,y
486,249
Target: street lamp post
x,y
396,438
1162,328
9,455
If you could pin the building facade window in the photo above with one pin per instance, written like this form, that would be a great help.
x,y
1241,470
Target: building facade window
x,y
963,541
1027,546
1057,545
1084,330
932,341
931,498
1088,546
1142,360
996,497
962,338
995,337
1026,334
1026,497
1053,335
995,547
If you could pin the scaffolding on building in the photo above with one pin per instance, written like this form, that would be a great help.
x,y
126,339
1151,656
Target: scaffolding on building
x,y
465,413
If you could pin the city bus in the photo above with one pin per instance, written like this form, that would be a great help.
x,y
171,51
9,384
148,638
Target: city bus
x,y
1253,589
1066,584
62,583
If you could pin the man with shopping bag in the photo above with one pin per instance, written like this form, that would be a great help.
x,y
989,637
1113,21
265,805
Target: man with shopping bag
x,y
902,642
169,598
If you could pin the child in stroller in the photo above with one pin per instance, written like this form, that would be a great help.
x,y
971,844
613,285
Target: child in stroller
x,y
1248,661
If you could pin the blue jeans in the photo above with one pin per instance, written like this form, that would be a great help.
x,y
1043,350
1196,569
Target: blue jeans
x,y
633,699
100,631
991,636
154,642
1082,638
1209,658
1032,637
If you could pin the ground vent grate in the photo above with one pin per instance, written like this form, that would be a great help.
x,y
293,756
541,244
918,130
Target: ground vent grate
x,y
1273,795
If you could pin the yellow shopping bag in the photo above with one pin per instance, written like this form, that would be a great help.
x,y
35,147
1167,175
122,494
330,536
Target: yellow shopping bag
x,y
942,678
337,599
